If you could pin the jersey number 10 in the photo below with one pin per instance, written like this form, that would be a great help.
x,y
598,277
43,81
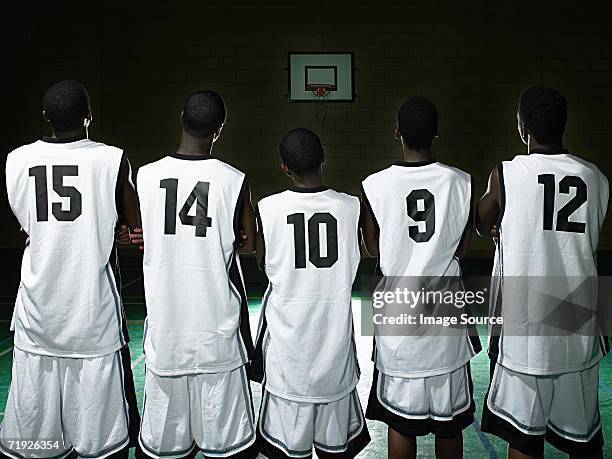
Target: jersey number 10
x,y
314,249
199,194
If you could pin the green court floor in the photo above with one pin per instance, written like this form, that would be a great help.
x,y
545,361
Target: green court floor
x,y
476,443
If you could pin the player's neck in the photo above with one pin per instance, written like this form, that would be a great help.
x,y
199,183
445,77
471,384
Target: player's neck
x,y
195,146
80,133
533,144
314,181
413,156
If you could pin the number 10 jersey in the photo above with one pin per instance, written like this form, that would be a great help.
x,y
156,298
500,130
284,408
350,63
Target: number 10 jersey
x,y
306,325
197,315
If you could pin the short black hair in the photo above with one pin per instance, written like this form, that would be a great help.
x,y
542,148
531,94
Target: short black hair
x,y
301,151
66,104
417,120
204,113
544,112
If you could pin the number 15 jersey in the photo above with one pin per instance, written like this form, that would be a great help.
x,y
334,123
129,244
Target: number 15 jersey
x,y
311,259
197,316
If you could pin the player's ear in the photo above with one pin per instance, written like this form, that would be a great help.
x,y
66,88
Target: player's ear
x,y
284,169
45,117
398,134
522,130
323,156
217,133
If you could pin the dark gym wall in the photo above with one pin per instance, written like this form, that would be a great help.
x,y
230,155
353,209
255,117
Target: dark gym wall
x,y
139,59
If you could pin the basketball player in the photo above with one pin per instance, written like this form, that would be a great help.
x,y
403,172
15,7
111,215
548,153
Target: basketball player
x,y
68,390
548,208
417,221
197,339
309,248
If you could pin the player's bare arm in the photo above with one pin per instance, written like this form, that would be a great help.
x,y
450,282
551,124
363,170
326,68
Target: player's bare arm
x,y
248,226
466,237
369,229
489,206
128,206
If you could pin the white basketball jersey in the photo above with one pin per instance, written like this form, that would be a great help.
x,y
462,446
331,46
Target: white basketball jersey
x,y
554,206
63,195
197,316
311,260
422,210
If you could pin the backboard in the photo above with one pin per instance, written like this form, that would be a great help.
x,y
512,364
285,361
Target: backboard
x,y
309,72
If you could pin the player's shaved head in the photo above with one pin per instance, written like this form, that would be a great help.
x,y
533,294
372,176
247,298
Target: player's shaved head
x,y
417,121
301,151
543,111
204,113
66,104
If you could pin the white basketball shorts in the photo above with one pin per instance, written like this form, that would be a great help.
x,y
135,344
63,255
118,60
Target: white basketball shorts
x,y
212,412
59,405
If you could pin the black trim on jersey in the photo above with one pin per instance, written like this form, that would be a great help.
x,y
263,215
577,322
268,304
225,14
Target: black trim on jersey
x,y
75,138
548,151
119,184
502,195
257,372
190,157
260,231
364,196
313,189
244,328
242,196
115,268
414,163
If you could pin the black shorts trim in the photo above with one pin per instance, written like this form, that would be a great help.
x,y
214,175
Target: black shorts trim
x,y
533,445
420,427
353,447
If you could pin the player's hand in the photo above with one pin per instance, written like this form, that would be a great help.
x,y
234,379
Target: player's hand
x,y
137,238
242,238
494,234
122,235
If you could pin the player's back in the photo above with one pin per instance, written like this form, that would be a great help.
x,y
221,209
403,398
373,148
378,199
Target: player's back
x,y
64,196
421,209
311,259
193,285
553,208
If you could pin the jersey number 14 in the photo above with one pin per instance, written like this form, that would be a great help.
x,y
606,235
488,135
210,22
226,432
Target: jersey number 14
x,y
198,195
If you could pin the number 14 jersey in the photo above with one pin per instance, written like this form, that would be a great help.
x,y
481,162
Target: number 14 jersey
x,y
306,328
197,315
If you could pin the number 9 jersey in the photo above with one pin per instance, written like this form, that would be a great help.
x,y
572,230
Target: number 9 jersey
x,y
422,209
63,194
306,327
197,316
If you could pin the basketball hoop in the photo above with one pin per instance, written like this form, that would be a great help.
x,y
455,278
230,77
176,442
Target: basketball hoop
x,y
320,95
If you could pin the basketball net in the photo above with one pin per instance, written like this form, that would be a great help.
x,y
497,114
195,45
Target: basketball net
x,y
320,95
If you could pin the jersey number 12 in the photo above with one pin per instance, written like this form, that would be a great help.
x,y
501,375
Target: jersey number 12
x,y
199,195
567,182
